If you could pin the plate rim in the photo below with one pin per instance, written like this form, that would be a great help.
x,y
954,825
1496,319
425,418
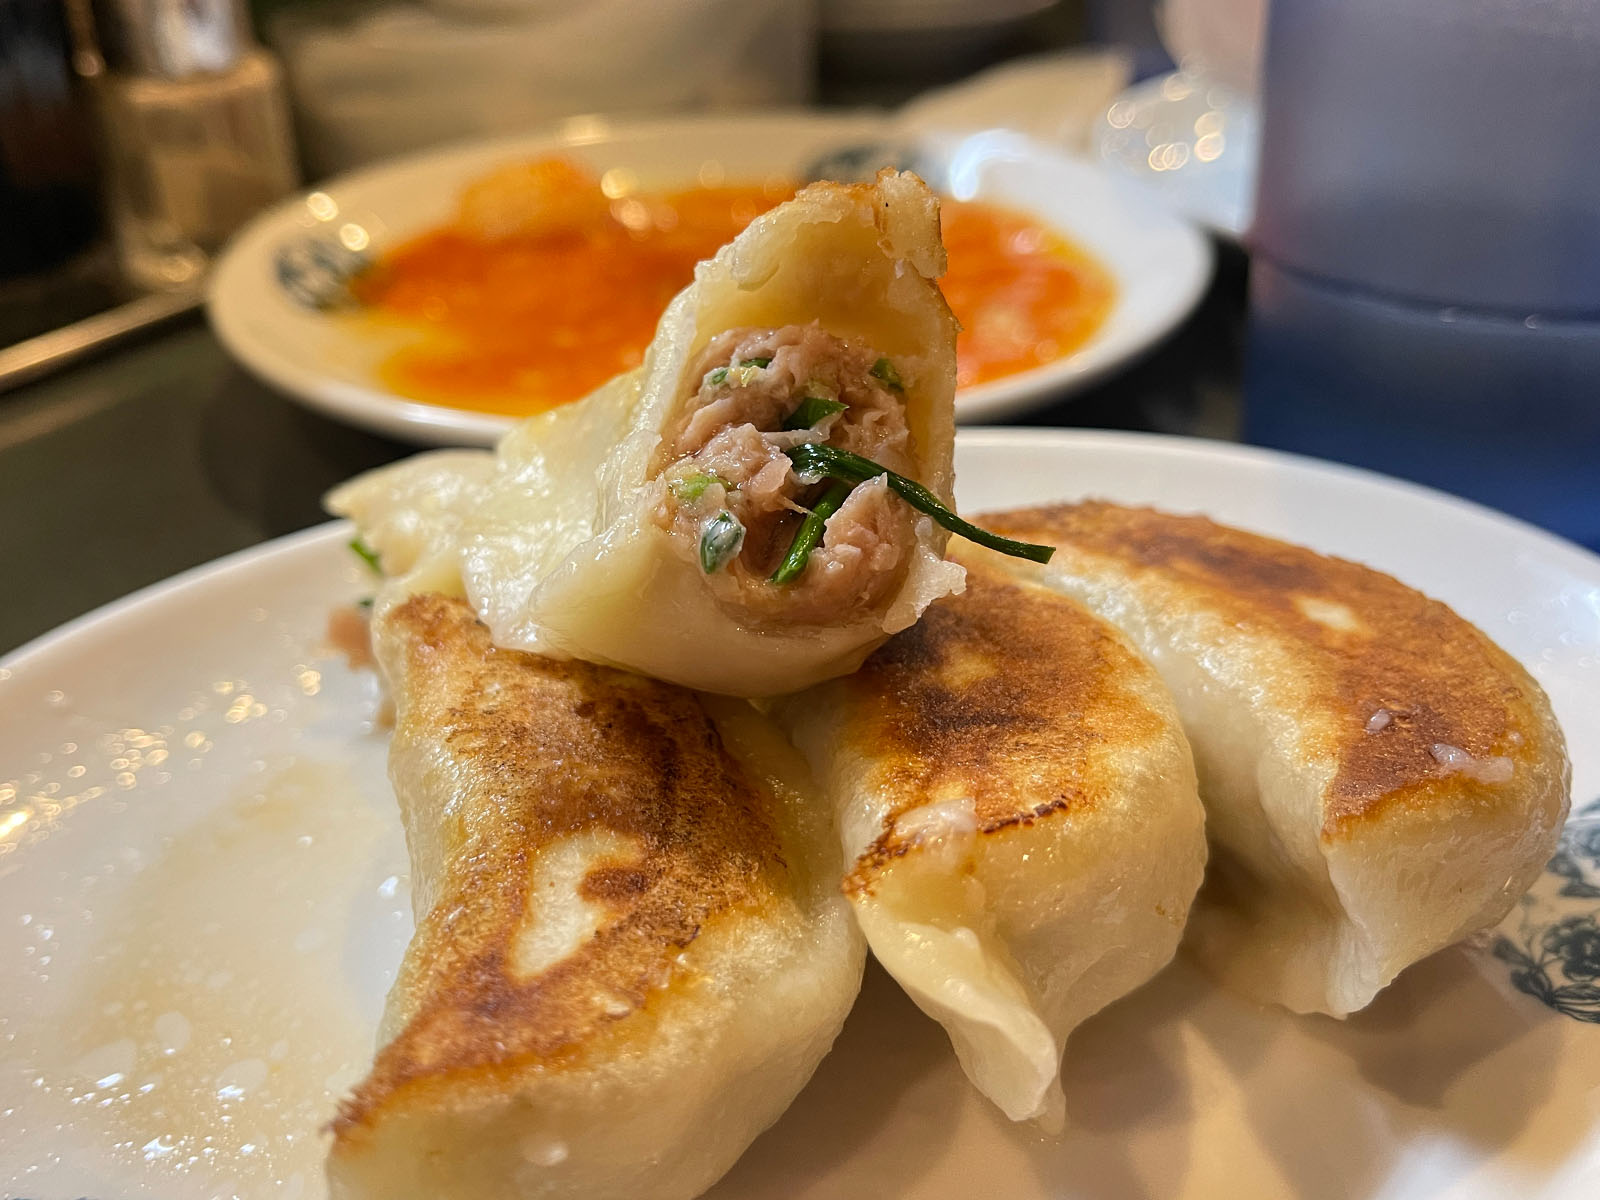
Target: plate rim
x,y
25,656
993,438
417,422
117,618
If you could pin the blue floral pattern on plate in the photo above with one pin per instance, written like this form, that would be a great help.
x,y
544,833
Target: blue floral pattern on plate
x,y
1554,952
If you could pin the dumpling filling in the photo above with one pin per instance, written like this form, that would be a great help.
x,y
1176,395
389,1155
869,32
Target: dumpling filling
x,y
734,501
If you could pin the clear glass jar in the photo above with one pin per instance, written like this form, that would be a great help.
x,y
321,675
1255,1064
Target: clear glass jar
x,y
191,160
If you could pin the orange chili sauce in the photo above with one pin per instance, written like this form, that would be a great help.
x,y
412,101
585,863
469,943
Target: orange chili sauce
x,y
523,322
1024,294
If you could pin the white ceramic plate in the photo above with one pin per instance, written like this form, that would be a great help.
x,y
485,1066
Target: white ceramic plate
x,y
1160,263
202,900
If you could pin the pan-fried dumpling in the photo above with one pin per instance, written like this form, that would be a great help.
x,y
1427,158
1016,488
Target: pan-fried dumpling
x,y
630,949
643,526
412,512
1020,821
1380,778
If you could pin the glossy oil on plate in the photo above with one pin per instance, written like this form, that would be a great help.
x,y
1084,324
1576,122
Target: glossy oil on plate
x,y
203,899
1160,264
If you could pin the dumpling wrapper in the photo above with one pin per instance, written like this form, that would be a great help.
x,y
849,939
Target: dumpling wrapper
x,y
1380,778
553,543
630,951
1018,807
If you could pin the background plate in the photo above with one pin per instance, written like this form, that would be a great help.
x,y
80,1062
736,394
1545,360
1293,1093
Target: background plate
x,y
328,361
202,902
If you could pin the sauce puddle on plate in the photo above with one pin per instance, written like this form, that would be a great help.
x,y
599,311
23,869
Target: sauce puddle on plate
x,y
549,282
218,1025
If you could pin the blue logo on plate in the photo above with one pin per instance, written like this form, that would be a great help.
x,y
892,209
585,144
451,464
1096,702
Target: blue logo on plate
x,y
316,271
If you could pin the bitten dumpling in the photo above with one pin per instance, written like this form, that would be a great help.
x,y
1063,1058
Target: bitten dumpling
x,y
1380,778
630,949
662,524
1021,827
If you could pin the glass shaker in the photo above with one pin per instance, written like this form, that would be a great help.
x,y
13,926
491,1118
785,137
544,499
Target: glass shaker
x,y
197,131
1425,288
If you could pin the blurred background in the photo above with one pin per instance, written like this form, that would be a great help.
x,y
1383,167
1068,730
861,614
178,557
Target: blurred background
x,y
1402,201
136,135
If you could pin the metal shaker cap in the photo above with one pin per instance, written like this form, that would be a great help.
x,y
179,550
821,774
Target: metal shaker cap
x,y
173,38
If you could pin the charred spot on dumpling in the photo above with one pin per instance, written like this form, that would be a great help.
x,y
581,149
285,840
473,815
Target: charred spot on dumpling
x,y
959,700
614,885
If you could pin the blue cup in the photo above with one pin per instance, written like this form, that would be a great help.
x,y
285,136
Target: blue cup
x,y
1425,291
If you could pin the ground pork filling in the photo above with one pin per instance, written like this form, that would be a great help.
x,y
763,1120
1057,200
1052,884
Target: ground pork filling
x,y
729,494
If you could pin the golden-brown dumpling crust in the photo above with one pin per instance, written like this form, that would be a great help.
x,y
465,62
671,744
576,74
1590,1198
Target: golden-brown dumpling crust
x,y
630,948
1363,642
567,747
1006,695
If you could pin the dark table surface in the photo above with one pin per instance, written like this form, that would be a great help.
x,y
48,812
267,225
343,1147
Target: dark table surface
x,y
164,454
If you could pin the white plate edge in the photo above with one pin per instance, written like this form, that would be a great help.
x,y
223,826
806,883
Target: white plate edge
x,y
420,423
